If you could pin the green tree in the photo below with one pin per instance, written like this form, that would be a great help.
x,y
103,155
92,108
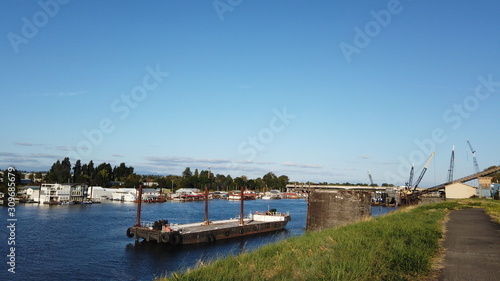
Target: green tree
x,y
270,180
121,172
251,184
282,182
259,183
90,171
241,182
133,181
102,178
226,183
77,172
7,176
220,182
53,175
38,176
163,182
65,172
187,173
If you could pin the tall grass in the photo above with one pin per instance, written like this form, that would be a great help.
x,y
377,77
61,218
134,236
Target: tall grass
x,y
398,246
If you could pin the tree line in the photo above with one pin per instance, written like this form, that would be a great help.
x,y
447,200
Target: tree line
x,y
200,179
101,175
105,175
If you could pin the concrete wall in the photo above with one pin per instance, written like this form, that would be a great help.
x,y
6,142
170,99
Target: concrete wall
x,y
332,208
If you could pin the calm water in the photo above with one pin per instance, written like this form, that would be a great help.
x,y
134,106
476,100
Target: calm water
x,y
88,242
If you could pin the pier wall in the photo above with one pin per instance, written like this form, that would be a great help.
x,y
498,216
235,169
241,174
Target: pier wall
x,y
332,208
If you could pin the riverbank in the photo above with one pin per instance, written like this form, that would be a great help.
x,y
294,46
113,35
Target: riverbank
x,y
399,246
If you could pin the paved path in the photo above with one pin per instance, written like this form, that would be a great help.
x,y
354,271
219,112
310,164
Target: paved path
x,y
472,247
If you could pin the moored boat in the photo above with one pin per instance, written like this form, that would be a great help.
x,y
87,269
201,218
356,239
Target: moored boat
x,y
195,233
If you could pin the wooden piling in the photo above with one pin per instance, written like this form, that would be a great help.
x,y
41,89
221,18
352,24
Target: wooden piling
x,y
138,217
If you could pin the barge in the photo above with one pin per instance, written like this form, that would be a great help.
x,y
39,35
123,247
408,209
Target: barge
x,y
195,233
162,231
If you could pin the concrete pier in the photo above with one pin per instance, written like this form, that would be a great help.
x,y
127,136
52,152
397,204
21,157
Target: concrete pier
x,y
332,208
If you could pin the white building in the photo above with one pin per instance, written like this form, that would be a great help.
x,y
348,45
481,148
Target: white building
x,y
187,191
99,193
124,194
56,192
30,192
459,191
130,194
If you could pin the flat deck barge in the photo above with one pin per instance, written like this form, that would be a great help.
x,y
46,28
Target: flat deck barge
x,y
194,233
207,231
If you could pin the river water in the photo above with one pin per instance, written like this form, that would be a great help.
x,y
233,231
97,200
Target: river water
x,y
88,242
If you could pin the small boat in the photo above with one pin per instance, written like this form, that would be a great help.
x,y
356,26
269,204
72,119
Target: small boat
x,y
67,203
273,194
236,195
51,203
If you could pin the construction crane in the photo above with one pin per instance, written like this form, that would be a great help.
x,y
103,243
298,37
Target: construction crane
x,y
409,195
452,165
370,177
423,171
476,166
410,181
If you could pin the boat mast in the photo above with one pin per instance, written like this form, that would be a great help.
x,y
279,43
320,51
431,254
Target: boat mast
x,y
138,217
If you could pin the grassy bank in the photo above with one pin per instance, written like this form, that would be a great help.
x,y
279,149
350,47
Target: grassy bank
x,y
398,246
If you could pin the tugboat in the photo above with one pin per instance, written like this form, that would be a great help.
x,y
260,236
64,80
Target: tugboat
x,y
207,231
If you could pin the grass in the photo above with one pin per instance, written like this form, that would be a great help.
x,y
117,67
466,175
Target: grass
x,y
397,246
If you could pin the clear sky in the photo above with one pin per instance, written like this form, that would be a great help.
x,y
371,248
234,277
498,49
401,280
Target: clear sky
x,y
319,91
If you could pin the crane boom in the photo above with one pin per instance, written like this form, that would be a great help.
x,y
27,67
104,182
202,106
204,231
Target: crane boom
x,y
423,171
370,176
452,165
476,166
410,181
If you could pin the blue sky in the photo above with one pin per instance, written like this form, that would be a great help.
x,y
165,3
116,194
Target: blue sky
x,y
318,91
